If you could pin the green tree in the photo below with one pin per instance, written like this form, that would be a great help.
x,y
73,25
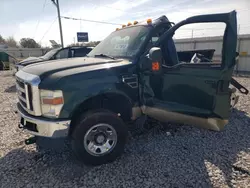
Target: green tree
x,y
29,43
93,43
2,40
11,42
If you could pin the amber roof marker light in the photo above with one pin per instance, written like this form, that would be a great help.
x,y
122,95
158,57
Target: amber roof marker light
x,y
129,24
149,21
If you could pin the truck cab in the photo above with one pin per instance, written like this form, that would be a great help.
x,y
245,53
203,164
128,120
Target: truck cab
x,y
134,72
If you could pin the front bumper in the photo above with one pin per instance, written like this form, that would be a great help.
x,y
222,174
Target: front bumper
x,y
40,126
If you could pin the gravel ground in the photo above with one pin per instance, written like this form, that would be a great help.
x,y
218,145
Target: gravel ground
x,y
176,156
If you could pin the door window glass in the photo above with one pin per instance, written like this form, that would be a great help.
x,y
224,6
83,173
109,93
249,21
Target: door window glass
x,y
62,54
81,52
200,42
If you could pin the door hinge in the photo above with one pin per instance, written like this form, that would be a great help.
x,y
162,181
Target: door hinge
x,y
241,88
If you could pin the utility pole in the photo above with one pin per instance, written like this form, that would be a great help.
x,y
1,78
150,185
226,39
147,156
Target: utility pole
x,y
238,49
80,24
59,19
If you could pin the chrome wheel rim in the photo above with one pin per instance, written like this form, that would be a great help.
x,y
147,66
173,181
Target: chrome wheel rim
x,y
100,139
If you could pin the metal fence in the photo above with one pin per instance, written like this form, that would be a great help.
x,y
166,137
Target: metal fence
x,y
21,53
243,47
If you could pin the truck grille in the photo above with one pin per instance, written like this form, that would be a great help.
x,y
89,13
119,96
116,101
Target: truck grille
x,y
24,92
28,92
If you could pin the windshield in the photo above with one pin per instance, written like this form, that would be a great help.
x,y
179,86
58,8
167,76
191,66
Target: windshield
x,y
122,43
49,54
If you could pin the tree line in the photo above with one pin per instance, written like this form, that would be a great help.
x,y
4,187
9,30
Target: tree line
x,y
31,43
91,44
24,42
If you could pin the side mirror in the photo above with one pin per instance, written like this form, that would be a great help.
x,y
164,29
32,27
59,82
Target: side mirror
x,y
155,59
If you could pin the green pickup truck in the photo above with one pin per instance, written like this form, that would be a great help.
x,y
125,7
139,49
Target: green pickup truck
x,y
133,73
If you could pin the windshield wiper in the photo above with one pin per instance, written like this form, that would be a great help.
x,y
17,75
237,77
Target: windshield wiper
x,y
104,55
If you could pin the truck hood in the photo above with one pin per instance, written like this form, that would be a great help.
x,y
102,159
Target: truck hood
x,y
30,60
82,64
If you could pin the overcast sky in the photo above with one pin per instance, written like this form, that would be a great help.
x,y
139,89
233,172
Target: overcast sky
x,y
38,18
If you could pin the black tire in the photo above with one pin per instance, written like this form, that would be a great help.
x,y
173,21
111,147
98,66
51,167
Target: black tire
x,y
1,65
89,120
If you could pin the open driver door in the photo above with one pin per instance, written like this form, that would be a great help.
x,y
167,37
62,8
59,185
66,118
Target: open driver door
x,y
190,93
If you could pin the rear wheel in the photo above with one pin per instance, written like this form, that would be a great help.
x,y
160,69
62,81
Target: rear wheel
x,y
99,137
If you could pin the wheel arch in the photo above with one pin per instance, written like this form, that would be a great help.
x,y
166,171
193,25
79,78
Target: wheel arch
x,y
114,101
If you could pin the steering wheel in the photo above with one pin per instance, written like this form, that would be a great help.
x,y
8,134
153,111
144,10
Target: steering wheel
x,y
195,59
198,58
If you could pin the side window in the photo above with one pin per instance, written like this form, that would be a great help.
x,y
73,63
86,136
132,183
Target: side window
x,y
81,52
152,40
72,53
62,54
200,42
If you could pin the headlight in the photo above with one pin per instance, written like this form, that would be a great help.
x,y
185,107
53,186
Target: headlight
x,y
51,102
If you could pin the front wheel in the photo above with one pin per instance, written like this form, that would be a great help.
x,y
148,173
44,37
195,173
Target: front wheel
x,y
99,138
